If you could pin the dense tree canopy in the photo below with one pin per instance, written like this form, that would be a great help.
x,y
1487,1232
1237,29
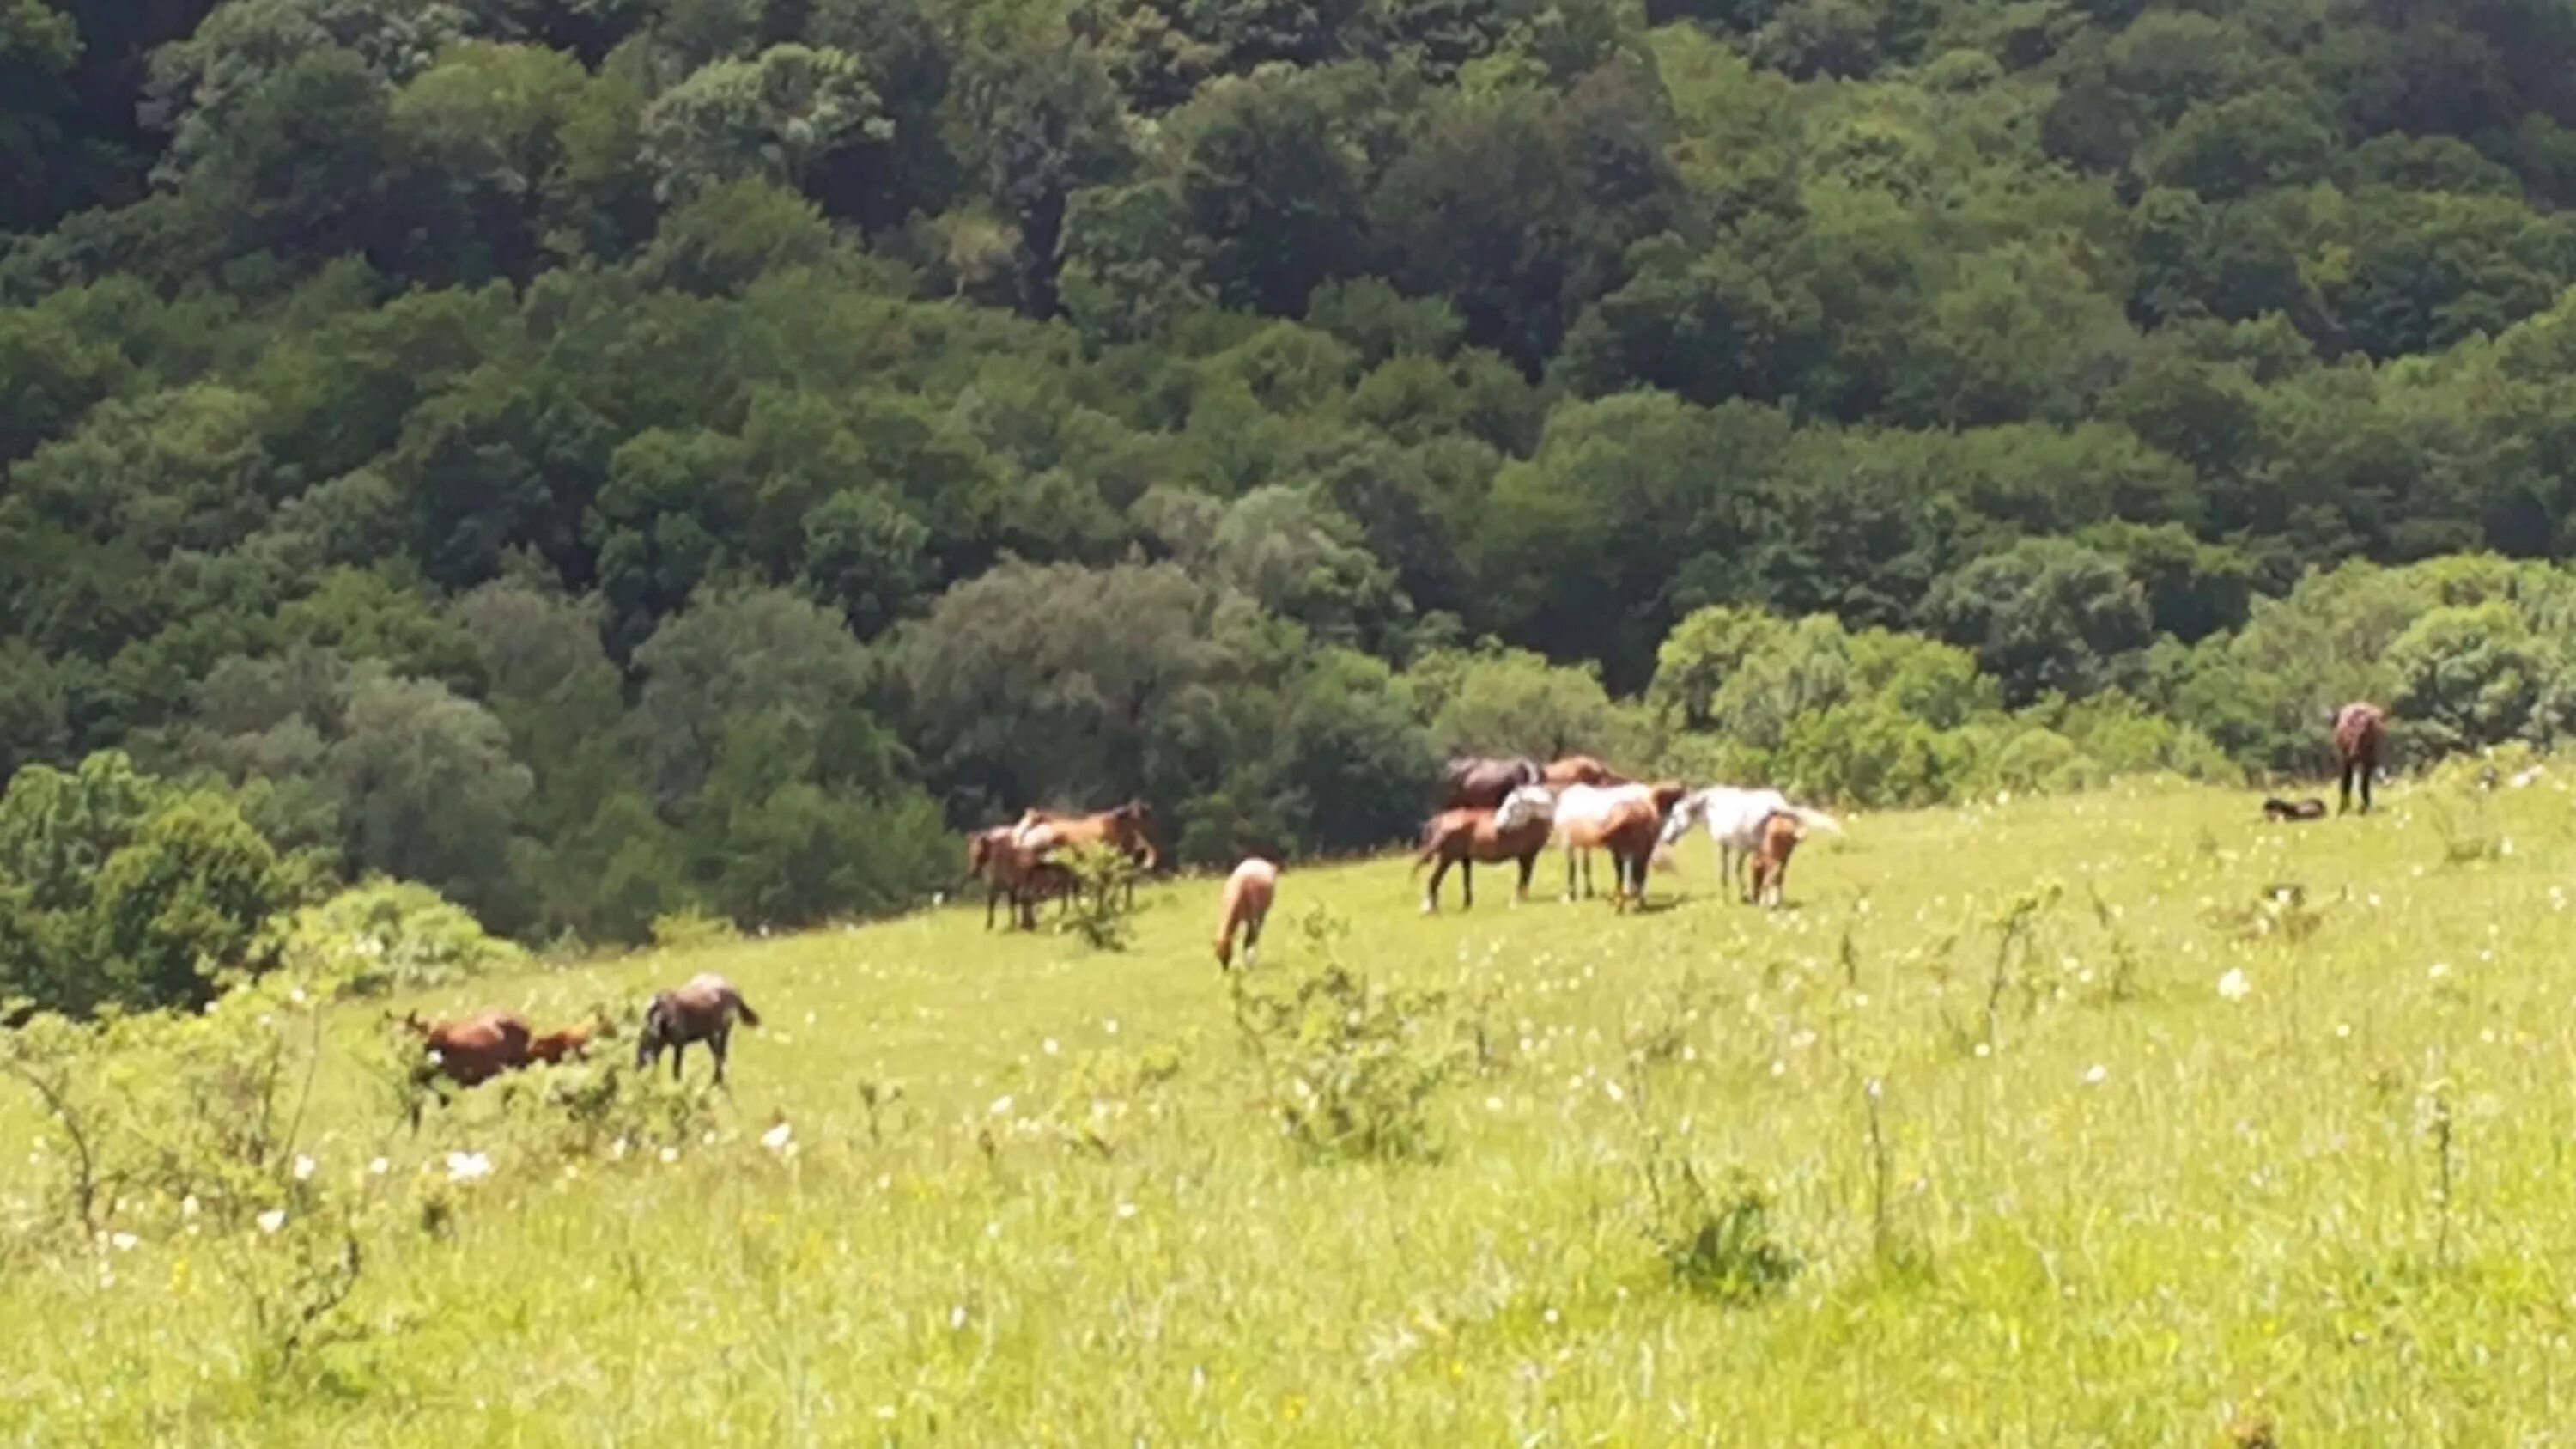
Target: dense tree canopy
x,y
605,458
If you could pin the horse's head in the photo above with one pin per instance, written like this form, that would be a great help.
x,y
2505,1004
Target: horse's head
x,y
1666,794
412,1023
979,852
1526,803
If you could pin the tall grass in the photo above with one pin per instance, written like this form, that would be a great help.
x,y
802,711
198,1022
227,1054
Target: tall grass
x,y
2041,1180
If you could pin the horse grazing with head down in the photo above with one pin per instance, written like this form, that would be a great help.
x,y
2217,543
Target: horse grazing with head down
x,y
1127,829
1779,839
1248,894
1585,815
1735,818
1475,783
1014,873
2360,728
704,1010
472,1050
1515,830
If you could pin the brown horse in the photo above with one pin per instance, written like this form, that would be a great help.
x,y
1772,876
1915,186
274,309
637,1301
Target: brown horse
x,y
1475,783
473,1050
2359,730
1628,822
1518,830
1014,873
1579,770
2275,808
703,1010
1127,829
1780,836
572,1044
1248,893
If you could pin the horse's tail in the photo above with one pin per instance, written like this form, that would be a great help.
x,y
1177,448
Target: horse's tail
x,y
1816,820
743,1009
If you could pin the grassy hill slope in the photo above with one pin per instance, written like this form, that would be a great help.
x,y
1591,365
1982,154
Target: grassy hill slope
x,y
2120,1207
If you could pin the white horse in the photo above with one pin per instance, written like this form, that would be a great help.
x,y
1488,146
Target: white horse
x,y
1583,808
1734,819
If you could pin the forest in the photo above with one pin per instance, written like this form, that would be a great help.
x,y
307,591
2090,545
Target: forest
x,y
603,459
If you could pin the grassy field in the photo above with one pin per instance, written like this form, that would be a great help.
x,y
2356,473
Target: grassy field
x,y
2107,1202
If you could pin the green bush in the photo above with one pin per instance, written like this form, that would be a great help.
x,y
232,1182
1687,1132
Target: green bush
x,y
384,935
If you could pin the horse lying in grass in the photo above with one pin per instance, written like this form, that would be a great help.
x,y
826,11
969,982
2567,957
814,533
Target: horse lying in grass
x,y
1516,830
704,1010
2276,808
1248,894
1734,818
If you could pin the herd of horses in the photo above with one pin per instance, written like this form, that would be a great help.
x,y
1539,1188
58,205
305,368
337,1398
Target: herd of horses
x,y
1488,810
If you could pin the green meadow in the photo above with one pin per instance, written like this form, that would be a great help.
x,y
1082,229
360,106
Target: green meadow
x,y
2118,1119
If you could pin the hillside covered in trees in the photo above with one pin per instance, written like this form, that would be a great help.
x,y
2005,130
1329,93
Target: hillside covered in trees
x,y
598,457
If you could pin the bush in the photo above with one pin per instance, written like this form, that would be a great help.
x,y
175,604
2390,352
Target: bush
x,y
1351,1066
1716,1241
386,935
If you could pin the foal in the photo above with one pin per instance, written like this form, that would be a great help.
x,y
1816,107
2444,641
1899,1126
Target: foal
x,y
2359,729
1780,836
703,1010
1248,893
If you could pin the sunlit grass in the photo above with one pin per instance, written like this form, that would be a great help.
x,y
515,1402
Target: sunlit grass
x,y
2126,1208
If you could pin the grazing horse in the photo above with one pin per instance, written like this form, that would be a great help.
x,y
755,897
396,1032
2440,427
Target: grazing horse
x,y
2276,808
1780,836
1583,812
1127,829
2359,730
1248,893
1734,819
1474,783
1014,873
703,1010
1579,770
473,1050
1631,829
1517,830
572,1044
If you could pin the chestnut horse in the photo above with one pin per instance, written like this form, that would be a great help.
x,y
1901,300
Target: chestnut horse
x,y
1012,872
1780,836
703,1010
1248,893
2359,730
1127,829
1630,827
1517,830
1473,783
473,1050
1579,770
1583,810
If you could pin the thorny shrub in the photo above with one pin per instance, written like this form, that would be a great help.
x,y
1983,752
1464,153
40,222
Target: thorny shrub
x,y
1099,911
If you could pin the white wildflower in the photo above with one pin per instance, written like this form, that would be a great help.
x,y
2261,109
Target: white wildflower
x,y
378,1168
122,1242
303,1168
468,1167
2096,1075
2234,986
1048,1046
777,1138
271,1220
1002,1105
188,1206
2438,970
1126,1210
957,1317
670,1154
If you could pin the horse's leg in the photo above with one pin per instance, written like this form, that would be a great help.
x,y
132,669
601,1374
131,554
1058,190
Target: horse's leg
x,y
1569,870
1467,882
1529,863
716,1043
679,1053
1431,892
2369,767
2343,786
1587,873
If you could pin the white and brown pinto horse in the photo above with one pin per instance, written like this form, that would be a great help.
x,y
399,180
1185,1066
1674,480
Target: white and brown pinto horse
x,y
1734,818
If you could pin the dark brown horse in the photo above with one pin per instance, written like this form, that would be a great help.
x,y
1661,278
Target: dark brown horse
x,y
2276,808
1516,831
2360,728
1475,783
703,1010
